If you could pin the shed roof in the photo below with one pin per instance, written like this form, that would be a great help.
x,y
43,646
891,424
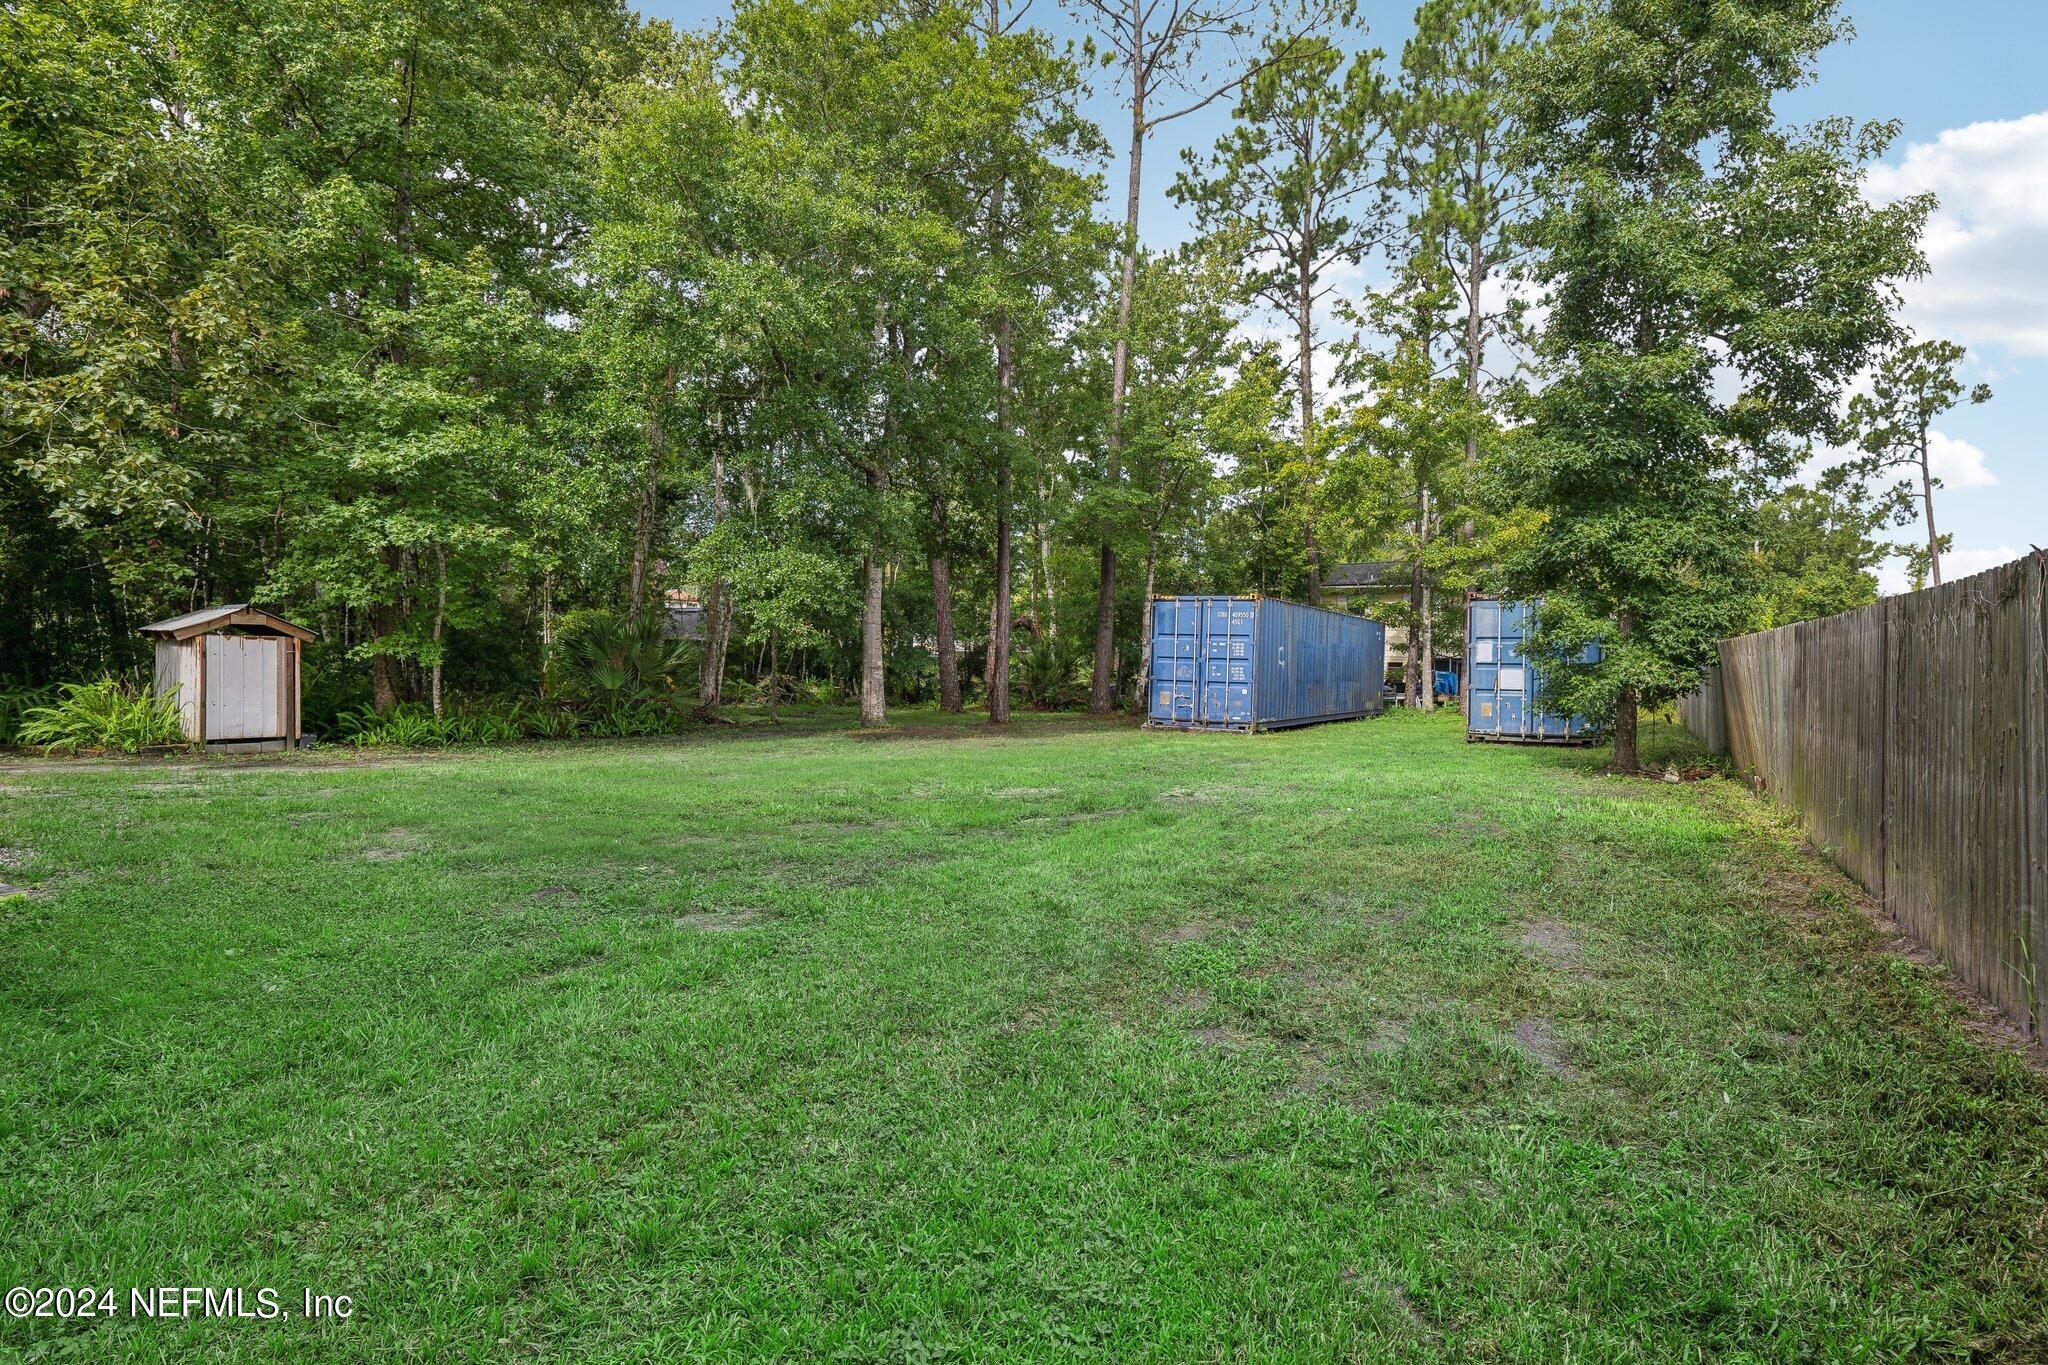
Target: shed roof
x,y
238,615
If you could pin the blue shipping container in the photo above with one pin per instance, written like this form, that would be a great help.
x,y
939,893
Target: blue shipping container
x,y
1503,703
1258,663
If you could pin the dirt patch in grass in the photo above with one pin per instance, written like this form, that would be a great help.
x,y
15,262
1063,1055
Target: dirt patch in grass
x,y
1205,796
1072,817
718,922
1539,1043
1193,931
1217,1037
844,826
1389,1036
577,964
16,857
1022,793
1554,942
549,893
392,846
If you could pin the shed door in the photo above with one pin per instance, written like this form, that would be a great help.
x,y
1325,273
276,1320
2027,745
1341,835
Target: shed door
x,y
244,687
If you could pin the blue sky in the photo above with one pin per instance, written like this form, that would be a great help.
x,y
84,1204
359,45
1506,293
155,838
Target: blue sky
x,y
1965,78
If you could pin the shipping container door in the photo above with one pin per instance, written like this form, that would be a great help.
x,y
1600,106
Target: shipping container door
x,y
1176,650
1230,625
1482,705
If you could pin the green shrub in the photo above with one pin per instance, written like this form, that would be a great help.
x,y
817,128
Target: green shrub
x,y
619,664
412,726
15,704
108,714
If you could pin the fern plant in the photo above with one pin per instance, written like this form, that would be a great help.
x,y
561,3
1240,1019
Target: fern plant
x,y
107,714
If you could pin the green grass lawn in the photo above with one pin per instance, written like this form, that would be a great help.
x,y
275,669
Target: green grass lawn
x,y
1347,1043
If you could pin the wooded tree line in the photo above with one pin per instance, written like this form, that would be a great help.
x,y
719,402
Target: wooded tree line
x,y
449,328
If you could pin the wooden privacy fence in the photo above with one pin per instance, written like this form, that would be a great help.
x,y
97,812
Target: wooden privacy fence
x,y
1912,739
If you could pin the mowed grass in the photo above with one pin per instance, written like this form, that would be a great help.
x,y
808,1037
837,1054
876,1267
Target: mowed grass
x,y
1347,1043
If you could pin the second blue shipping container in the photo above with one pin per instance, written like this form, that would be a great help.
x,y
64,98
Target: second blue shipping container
x,y
1259,663
1504,702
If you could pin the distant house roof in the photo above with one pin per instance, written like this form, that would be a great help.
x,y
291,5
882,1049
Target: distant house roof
x,y
1372,573
238,615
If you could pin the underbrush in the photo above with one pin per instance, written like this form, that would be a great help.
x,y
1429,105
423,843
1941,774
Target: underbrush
x,y
107,714
414,726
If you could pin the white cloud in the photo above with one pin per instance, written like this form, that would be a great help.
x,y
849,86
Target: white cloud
x,y
1956,462
1891,575
1987,244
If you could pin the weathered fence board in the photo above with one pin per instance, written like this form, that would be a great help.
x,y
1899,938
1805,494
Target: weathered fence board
x,y
1910,738
1705,714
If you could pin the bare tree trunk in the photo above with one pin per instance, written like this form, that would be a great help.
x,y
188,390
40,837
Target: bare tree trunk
x,y
873,676
873,704
988,653
1425,626
1475,340
547,629
384,622
1141,693
1409,672
440,619
998,675
1048,625
1102,686
1927,502
1305,334
643,544
1626,757
943,643
650,498
717,612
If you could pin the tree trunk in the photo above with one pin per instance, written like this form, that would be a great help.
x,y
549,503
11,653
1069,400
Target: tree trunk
x,y
1409,672
645,514
643,543
440,619
1305,335
873,676
873,705
1625,758
1927,502
1048,624
1102,685
1141,693
717,613
384,622
1475,342
943,643
998,675
547,630
1426,627
1475,330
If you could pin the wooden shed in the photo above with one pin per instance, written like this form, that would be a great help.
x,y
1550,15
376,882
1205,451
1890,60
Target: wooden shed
x,y
235,670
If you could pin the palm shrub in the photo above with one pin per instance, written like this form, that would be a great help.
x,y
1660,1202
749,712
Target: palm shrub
x,y
107,714
1047,675
618,663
